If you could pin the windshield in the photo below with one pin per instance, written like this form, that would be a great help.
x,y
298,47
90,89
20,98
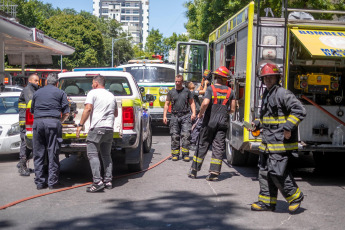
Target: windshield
x,y
152,73
80,86
9,105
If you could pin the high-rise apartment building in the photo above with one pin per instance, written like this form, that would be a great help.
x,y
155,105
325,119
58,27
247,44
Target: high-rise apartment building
x,y
132,14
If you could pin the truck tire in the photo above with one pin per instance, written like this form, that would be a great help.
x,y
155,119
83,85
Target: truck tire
x,y
235,157
140,165
148,141
252,159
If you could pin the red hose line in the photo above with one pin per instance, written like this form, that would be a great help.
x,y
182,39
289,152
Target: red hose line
x,y
323,110
77,186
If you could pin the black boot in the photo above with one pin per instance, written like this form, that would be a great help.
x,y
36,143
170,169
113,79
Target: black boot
x,y
23,169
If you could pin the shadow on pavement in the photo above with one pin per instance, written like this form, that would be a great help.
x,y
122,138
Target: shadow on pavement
x,y
175,210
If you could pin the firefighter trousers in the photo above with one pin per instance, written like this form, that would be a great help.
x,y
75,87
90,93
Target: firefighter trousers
x,y
24,150
274,175
180,128
209,136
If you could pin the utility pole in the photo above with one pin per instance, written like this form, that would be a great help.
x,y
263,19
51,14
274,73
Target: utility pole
x,y
112,48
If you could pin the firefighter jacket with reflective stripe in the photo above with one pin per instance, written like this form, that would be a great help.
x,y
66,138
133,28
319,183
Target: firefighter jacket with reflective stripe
x,y
280,110
24,98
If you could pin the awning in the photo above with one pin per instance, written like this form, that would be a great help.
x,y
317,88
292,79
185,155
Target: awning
x,y
322,43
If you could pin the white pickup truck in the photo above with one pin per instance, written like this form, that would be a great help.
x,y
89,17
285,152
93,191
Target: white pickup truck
x,y
132,127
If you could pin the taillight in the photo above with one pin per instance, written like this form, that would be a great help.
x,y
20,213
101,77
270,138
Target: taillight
x,y
304,84
127,118
29,120
334,85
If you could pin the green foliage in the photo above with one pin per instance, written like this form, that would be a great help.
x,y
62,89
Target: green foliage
x,y
154,42
79,33
170,42
141,54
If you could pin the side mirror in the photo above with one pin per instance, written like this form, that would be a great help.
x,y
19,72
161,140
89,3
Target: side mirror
x,y
149,97
142,89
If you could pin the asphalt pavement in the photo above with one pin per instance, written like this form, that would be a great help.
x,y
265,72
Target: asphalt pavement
x,y
165,198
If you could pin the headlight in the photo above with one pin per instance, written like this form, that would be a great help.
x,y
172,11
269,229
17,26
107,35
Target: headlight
x,y
163,90
14,130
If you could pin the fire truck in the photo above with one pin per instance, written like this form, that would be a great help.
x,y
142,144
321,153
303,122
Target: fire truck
x,y
310,54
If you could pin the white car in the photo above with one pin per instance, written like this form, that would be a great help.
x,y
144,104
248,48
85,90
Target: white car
x,y
9,123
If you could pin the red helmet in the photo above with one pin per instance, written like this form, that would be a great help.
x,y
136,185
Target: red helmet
x,y
222,71
206,72
269,69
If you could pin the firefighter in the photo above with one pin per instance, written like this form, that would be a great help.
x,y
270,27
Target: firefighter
x,y
280,114
50,108
24,98
181,118
218,103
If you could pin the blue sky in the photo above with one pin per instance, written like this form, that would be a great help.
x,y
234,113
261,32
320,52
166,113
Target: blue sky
x,y
166,15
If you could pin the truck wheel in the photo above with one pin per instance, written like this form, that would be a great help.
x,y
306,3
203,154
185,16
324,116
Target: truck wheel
x,y
235,157
148,141
138,166
252,159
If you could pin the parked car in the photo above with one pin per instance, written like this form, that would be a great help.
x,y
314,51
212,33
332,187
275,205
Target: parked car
x,y
11,88
9,123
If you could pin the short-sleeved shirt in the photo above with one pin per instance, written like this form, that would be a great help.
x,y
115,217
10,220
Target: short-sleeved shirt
x,y
179,100
197,101
209,94
104,105
49,101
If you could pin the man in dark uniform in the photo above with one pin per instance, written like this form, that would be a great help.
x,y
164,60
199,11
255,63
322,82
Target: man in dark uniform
x,y
24,99
48,103
218,103
280,114
181,120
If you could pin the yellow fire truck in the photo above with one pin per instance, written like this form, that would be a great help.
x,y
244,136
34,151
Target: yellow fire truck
x,y
310,54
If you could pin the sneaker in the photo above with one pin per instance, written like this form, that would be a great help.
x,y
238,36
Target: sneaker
x,y
260,206
192,173
108,185
42,186
186,158
212,177
95,187
175,158
295,205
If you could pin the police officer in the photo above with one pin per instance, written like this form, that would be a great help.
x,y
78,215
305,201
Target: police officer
x,y
24,99
280,114
219,101
48,103
181,120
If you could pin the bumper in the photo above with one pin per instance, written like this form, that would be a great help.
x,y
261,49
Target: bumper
x,y
10,144
158,117
75,146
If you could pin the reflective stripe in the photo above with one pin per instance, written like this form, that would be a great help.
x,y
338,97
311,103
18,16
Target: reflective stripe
x,y
296,195
219,97
197,159
274,120
293,119
21,105
279,147
21,122
216,161
29,104
268,199
184,150
175,151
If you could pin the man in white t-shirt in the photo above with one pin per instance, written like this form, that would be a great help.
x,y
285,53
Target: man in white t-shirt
x,y
101,106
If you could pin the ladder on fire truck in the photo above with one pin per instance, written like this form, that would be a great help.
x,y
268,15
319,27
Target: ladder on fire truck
x,y
259,87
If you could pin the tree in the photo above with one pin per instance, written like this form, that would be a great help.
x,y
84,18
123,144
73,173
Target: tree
x,y
154,42
170,42
139,53
80,33
28,13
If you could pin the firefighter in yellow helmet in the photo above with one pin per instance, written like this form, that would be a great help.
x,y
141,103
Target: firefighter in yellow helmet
x,y
218,102
280,114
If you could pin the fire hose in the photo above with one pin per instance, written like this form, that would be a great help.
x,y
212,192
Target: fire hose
x,y
77,186
323,110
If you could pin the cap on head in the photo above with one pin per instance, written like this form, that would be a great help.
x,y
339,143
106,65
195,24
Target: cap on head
x,y
222,72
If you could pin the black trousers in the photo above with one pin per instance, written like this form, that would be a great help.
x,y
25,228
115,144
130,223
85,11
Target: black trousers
x,y
47,138
274,175
180,129
209,136
24,150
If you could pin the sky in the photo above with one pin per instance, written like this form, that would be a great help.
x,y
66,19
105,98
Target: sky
x,y
166,15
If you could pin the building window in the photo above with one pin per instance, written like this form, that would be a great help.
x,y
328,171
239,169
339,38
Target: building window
x,y
128,18
128,4
136,4
135,11
123,11
135,18
122,4
104,11
123,18
128,11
